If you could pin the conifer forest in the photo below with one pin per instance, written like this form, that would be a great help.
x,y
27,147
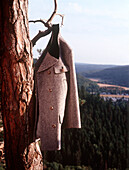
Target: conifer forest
x,y
101,143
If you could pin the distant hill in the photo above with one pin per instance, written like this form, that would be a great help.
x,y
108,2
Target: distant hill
x,y
90,68
115,75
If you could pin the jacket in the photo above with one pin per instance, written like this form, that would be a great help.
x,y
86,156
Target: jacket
x,y
57,102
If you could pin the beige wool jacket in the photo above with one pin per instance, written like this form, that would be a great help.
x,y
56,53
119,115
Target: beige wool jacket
x,y
57,101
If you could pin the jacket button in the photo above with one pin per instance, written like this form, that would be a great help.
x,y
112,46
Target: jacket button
x,y
49,72
62,69
54,125
50,90
51,108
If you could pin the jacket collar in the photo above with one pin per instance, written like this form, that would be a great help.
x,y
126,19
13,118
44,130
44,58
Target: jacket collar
x,y
48,62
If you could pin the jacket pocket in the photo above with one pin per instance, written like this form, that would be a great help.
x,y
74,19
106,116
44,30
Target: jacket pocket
x,y
61,69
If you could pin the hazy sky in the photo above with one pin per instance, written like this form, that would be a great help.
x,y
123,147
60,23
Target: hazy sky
x,y
96,30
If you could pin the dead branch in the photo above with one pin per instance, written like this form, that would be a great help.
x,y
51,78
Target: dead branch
x,y
62,16
40,34
46,24
42,21
54,13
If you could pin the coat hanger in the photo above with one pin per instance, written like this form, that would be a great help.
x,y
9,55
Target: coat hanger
x,y
47,24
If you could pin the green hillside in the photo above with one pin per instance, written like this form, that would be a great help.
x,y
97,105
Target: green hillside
x,y
117,75
87,84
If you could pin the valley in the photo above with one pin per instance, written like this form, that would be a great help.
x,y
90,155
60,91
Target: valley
x,y
107,80
107,85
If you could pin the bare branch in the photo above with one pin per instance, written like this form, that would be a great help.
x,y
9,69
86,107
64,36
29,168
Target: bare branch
x,y
48,23
62,16
54,13
40,34
42,21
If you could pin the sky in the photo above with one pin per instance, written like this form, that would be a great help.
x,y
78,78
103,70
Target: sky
x,y
96,30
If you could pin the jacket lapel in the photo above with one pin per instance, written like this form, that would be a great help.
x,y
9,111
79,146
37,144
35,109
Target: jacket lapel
x,y
48,62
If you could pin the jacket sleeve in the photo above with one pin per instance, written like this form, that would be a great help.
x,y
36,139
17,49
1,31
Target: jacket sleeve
x,y
72,111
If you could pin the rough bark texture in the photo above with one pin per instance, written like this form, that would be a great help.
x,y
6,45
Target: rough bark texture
x,y
16,75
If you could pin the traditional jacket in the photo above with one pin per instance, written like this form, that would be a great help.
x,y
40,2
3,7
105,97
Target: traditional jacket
x,y
57,99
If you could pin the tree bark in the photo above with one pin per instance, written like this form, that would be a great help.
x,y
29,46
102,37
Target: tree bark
x,y
16,75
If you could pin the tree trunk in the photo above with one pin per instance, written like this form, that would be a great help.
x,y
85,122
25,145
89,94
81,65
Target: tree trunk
x,y
16,73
